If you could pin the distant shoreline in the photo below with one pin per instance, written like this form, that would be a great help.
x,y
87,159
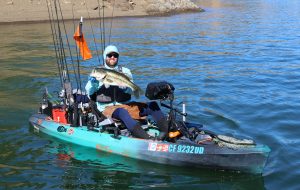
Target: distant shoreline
x,y
36,11
115,17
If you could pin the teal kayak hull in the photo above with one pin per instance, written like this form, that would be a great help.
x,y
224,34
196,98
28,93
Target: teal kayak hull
x,y
182,153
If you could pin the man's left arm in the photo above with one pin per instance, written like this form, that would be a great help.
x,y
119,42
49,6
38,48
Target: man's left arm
x,y
128,73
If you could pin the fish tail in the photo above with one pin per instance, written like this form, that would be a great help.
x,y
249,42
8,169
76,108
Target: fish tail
x,y
136,94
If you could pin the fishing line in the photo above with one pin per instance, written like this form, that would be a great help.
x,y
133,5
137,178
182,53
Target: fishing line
x,y
100,28
111,21
103,24
93,33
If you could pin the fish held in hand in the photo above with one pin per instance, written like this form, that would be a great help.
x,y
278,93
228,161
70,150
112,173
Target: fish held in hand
x,y
115,78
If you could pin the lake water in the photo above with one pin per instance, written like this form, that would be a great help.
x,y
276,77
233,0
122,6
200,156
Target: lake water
x,y
236,66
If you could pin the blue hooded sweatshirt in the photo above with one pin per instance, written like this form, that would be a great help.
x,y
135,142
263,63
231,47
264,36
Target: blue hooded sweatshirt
x,y
92,87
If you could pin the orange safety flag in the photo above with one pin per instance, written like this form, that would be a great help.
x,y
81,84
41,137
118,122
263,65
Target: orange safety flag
x,y
81,44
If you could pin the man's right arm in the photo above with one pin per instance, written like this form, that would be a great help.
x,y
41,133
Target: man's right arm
x,y
92,86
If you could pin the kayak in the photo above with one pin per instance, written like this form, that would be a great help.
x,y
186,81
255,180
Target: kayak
x,y
73,117
208,150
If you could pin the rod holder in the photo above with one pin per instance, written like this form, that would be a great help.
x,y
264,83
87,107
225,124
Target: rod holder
x,y
184,112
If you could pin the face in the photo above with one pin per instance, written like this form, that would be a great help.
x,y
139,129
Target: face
x,y
112,59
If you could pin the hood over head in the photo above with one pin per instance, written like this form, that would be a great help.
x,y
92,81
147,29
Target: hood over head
x,y
109,49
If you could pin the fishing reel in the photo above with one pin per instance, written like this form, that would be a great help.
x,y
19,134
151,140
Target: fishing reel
x,y
164,92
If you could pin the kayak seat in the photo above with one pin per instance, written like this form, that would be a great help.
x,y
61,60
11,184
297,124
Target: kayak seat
x,y
81,98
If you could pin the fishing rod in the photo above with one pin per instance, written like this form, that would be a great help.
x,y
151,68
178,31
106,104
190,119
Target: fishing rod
x,y
76,48
67,90
54,41
68,45
59,32
64,69
58,47
103,25
100,28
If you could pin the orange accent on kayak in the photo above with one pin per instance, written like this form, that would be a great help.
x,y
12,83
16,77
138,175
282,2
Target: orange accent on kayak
x,y
59,115
174,134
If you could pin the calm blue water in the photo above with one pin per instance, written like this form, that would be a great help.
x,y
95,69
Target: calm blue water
x,y
235,65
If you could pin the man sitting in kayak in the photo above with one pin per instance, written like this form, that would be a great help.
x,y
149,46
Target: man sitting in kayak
x,y
108,96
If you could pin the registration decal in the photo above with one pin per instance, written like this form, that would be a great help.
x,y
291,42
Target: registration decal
x,y
159,147
174,148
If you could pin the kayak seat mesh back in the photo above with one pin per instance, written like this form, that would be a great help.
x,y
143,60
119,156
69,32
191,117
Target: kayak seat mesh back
x,y
81,98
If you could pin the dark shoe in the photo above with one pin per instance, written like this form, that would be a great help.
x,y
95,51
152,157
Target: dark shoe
x,y
139,132
161,136
163,127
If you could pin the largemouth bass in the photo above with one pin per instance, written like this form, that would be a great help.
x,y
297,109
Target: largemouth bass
x,y
115,78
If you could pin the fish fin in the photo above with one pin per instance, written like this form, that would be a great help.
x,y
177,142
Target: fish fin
x,y
99,79
136,94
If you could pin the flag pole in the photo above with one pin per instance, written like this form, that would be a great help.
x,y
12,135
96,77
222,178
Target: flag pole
x,y
80,26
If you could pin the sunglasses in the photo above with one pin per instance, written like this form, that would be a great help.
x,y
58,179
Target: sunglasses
x,y
113,54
